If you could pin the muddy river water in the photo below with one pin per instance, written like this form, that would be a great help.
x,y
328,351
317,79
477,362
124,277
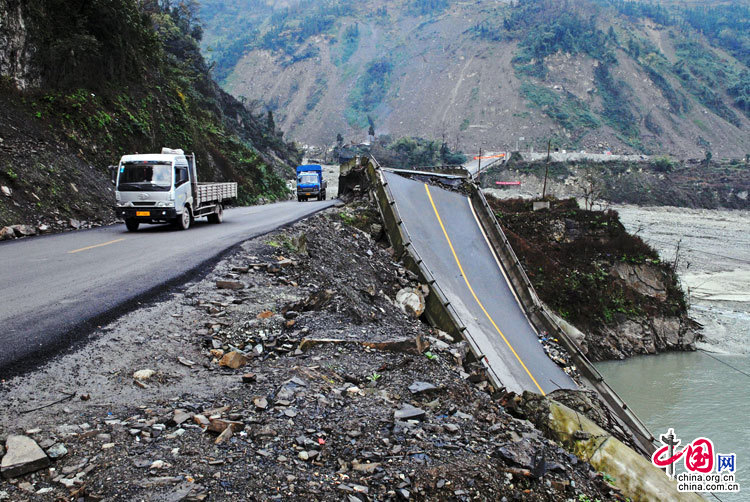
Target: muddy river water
x,y
704,393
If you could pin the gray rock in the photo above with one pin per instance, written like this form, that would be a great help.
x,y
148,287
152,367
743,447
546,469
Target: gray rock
x,y
418,387
56,451
6,191
520,453
234,285
409,412
23,230
23,456
465,416
7,233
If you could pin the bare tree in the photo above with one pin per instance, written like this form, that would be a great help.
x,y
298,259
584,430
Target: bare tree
x,y
591,185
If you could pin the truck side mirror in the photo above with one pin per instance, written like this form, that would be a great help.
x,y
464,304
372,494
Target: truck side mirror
x,y
113,174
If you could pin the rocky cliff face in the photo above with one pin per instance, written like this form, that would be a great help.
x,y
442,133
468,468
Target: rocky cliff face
x,y
15,51
598,278
642,334
79,87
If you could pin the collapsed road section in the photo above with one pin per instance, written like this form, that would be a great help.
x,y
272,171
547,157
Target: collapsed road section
x,y
446,234
501,317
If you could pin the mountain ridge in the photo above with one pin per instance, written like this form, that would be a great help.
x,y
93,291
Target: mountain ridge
x,y
596,75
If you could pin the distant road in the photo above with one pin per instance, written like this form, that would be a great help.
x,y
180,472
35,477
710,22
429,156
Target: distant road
x,y
472,165
53,287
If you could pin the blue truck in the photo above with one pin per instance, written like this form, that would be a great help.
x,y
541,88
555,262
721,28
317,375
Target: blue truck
x,y
310,182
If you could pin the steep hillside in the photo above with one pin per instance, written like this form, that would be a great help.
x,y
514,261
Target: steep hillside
x,y
82,84
591,74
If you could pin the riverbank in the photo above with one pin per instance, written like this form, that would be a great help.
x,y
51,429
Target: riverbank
x,y
702,393
595,275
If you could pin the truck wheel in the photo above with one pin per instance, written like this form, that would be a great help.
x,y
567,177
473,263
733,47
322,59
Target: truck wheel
x,y
299,198
132,225
183,221
218,216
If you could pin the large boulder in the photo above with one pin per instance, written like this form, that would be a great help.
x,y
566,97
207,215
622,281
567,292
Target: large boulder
x,y
645,279
7,233
23,456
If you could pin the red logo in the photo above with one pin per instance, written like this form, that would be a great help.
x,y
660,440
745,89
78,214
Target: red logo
x,y
698,455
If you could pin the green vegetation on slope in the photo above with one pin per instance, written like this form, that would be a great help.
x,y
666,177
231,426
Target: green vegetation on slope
x,y
564,108
143,84
369,92
569,255
239,26
409,153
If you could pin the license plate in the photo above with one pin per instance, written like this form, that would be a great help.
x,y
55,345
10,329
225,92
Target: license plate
x,y
143,213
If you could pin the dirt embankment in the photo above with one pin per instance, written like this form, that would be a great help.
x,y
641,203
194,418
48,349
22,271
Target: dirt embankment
x,y
288,373
608,283
656,182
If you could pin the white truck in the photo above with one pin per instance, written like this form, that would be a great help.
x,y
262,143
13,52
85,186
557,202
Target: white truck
x,y
163,187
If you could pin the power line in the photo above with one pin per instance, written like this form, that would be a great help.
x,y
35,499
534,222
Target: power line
x,y
724,362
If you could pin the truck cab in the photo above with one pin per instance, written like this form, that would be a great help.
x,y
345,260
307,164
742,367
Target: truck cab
x,y
310,182
163,187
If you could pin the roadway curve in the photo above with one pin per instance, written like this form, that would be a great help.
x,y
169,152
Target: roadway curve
x,y
55,288
445,232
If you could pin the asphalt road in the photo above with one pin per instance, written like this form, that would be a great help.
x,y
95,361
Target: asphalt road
x,y
472,165
55,288
446,234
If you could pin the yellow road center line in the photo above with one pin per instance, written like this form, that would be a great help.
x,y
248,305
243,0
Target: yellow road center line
x,y
95,246
468,284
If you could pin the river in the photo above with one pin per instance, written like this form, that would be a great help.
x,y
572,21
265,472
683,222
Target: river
x,y
704,393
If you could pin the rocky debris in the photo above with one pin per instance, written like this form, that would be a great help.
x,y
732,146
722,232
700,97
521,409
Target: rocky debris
x,y
409,412
335,421
6,191
414,346
56,451
23,455
7,233
411,301
143,375
234,360
233,285
558,354
24,230
419,387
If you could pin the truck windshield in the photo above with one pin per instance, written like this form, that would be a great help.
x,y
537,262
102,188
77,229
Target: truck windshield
x,y
308,179
145,176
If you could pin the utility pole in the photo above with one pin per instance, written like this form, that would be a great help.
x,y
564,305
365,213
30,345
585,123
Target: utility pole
x,y
479,164
546,170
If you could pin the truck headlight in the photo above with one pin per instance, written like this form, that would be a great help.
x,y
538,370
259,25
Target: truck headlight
x,y
117,196
165,203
